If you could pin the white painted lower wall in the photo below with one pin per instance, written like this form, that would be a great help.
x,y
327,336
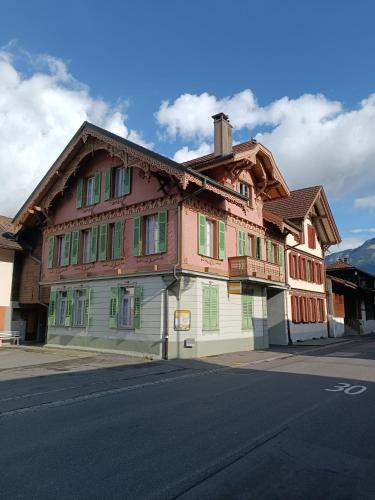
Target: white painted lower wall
x,y
6,277
337,327
149,339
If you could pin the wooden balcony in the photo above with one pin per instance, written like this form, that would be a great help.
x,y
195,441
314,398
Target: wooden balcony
x,y
241,267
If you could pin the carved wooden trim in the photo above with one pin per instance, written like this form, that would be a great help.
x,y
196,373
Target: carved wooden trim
x,y
218,213
113,214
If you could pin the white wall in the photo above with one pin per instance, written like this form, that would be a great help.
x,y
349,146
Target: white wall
x,y
6,277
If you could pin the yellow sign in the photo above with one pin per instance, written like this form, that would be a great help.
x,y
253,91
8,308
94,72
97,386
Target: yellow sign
x,y
234,287
182,320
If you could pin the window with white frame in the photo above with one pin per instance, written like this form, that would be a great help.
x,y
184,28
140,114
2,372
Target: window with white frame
x,y
151,234
79,307
126,307
210,228
62,304
86,254
119,181
90,190
244,189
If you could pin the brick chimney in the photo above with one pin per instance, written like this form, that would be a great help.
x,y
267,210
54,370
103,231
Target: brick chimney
x,y
222,135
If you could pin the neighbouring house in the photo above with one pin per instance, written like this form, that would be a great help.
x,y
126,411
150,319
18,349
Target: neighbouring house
x,y
148,256
8,251
24,303
351,299
305,307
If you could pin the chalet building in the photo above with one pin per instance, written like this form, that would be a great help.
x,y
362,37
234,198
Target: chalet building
x,y
147,256
305,306
351,300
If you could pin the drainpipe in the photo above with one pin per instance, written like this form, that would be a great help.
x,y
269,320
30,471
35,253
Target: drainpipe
x,y
178,264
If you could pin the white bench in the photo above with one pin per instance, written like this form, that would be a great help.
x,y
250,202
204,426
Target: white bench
x,y
10,337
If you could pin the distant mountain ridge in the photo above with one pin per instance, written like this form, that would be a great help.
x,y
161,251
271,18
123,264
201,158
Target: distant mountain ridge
x,y
362,257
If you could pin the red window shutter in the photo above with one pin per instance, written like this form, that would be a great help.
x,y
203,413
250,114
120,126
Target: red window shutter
x,y
316,310
322,273
291,266
294,315
302,308
300,267
316,272
323,318
309,318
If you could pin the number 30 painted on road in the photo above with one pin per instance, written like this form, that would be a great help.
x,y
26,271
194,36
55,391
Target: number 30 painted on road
x,y
352,390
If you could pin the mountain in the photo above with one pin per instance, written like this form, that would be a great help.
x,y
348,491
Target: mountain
x,y
362,257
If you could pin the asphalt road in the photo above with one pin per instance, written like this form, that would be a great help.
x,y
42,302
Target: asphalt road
x,y
195,430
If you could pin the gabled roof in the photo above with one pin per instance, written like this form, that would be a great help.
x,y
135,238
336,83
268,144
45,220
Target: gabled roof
x,y
310,201
249,154
60,171
6,226
296,206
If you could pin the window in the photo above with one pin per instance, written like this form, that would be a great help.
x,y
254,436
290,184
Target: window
x,y
272,252
86,256
210,308
243,189
117,182
209,249
62,305
211,237
60,251
90,191
151,234
79,307
119,177
126,309
250,245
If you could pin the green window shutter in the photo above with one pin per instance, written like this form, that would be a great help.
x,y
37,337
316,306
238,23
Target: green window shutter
x,y
113,308
74,249
138,295
206,300
67,239
69,308
162,245
214,307
97,183
221,238
52,309
201,234
51,250
137,247
241,243
117,237
281,258
79,194
108,180
258,247
88,298
127,180
247,312
93,243
103,236
269,251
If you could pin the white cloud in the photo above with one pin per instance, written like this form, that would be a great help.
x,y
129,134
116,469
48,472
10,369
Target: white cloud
x,y
314,140
185,154
367,230
365,202
39,113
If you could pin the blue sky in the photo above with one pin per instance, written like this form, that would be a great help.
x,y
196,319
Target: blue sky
x,y
300,74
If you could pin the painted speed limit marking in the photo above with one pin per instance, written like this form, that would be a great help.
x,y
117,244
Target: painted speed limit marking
x,y
352,390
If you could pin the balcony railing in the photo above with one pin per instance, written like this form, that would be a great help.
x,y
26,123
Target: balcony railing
x,y
254,268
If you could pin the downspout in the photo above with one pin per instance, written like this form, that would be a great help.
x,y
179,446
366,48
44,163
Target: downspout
x,y
178,264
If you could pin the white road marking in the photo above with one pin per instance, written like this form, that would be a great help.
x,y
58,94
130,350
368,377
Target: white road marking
x,y
352,390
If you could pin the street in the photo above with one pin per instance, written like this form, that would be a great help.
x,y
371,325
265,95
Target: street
x,y
226,427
